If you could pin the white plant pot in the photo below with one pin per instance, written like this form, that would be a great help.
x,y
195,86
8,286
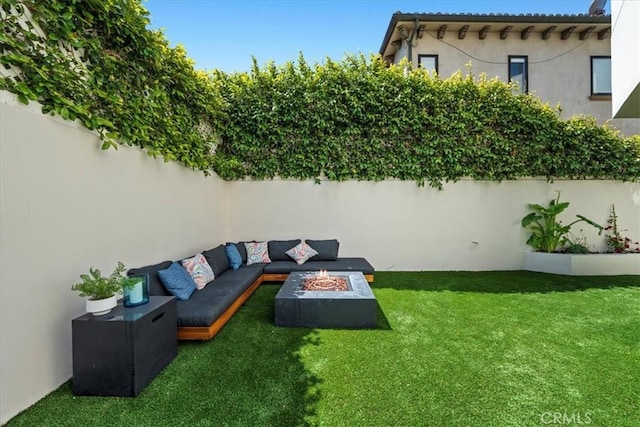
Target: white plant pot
x,y
101,306
582,264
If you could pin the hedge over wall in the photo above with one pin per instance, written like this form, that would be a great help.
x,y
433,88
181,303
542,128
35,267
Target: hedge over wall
x,y
95,60
359,119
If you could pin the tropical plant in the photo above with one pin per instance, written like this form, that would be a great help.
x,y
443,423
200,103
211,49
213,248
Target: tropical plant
x,y
96,287
548,234
616,242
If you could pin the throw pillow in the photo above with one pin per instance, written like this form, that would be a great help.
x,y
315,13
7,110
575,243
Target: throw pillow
x,y
177,281
327,249
241,250
257,252
199,270
235,260
301,252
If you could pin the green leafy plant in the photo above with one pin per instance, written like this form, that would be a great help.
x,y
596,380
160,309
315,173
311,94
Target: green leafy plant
x,y
96,287
360,119
548,234
357,119
616,242
96,62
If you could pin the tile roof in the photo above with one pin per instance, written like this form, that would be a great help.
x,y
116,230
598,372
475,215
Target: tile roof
x,y
529,18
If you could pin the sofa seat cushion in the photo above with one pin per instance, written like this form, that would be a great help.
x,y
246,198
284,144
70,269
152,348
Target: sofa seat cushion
x,y
206,305
340,264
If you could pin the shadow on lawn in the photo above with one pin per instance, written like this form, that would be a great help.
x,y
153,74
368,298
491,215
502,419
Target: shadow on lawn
x,y
497,281
250,374
259,367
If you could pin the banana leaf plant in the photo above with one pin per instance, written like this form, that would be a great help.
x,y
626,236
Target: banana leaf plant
x,y
547,233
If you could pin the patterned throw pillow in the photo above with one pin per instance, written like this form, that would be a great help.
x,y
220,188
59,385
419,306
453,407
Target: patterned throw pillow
x,y
257,252
199,270
301,253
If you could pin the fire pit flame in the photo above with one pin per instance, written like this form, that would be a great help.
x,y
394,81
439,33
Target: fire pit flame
x,y
323,282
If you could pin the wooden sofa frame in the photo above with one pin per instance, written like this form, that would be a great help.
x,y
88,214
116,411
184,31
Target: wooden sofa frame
x,y
208,332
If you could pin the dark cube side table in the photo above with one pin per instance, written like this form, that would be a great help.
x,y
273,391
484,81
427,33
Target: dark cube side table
x,y
121,352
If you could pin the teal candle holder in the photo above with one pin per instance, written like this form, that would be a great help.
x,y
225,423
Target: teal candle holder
x,y
137,294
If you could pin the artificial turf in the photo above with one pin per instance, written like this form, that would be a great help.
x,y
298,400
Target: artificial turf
x,y
452,348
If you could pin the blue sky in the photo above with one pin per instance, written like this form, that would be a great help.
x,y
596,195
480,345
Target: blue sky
x,y
225,34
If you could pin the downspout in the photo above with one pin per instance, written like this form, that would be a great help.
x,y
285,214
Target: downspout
x,y
416,24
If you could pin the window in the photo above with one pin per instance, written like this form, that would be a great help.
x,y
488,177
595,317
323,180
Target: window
x,y
429,62
600,75
519,72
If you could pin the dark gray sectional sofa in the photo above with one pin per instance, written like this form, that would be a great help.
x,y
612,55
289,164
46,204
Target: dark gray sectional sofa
x,y
208,309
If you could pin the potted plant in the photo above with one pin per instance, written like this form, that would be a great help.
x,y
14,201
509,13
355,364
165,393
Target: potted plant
x,y
101,291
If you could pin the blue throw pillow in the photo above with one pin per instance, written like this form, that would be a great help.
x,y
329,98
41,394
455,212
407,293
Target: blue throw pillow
x,y
177,281
235,260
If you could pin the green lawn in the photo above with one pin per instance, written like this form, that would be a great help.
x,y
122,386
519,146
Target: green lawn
x,y
453,348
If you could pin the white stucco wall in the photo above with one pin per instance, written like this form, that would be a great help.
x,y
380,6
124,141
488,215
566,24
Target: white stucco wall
x,y
399,226
65,206
625,50
559,71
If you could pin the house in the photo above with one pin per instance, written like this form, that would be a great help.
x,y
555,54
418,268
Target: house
x,y
563,59
625,59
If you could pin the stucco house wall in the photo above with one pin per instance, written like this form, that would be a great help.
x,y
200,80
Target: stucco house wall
x,y
625,59
559,71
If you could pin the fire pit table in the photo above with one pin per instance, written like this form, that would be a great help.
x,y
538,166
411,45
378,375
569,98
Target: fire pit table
x,y
319,300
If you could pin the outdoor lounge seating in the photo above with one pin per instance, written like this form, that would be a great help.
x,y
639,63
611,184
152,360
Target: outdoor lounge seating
x,y
206,310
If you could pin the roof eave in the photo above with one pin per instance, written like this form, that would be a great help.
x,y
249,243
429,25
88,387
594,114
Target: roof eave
x,y
529,18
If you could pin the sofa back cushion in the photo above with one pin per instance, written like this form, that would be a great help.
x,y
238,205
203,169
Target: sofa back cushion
x,y
156,288
217,259
327,249
278,249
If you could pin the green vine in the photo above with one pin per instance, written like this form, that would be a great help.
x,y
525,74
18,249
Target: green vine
x,y
360,119
95,61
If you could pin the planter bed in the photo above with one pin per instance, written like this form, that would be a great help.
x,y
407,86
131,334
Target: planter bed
x,y
582,264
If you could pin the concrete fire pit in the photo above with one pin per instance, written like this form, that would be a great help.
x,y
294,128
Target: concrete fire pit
x,y
354,308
